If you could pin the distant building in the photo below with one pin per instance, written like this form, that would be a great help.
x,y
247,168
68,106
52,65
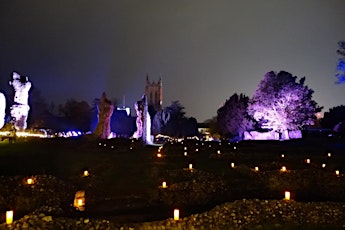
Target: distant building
x,y
154,93
127,109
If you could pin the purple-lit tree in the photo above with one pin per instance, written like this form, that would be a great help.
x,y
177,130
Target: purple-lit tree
x,y
232,117
340,73
280,103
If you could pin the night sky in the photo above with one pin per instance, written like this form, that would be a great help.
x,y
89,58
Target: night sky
x,y
205,51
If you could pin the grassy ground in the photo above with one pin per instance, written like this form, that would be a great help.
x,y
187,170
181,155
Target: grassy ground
x,y
122,169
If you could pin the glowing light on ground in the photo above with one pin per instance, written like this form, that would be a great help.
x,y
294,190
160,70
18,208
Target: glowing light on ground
x,y
283,169
86,173
79,200
190,166
9,217
164,184
176,214
287,195
30,181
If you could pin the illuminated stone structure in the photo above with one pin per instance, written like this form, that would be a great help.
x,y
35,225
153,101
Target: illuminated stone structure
x,y
105,110
143,121
154,93
2,110
139,109
20,108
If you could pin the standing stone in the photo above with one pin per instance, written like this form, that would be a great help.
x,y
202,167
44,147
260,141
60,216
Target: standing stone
x,y
143,121
20,108
105,110
139,108
2,110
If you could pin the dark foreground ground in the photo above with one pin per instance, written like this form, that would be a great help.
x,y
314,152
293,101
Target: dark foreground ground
x,y
123,190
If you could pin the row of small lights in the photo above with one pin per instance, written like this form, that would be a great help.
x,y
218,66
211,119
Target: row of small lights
x,y
79,200
256,168
232,164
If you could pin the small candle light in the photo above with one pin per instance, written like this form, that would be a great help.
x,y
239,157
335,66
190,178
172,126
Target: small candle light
x,y
323,165
283,169
86,173
164,184
185,148
232,165
197,150
79,200
30,181
176,214
235,147
282,155
105,145
159,155
99,143
307,161
190,166
218,152
185,153
329,154
337,172
209,146
9,217
256,169
287,195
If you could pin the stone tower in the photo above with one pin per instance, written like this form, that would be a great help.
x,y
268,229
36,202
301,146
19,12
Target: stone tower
x,y
154,93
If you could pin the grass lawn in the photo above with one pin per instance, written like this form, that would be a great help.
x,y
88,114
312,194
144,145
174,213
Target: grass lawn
x,y
126,171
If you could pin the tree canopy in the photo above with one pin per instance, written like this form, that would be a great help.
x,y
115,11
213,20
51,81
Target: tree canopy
x,y
280,103
334,116
232,117
172,121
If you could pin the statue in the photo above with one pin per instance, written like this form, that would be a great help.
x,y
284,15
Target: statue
x,y
105,110
20,108
143,121
2,109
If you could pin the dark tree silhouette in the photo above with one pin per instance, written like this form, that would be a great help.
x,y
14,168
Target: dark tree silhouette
x,y
39,110
77,113
232,117
172,121
335,116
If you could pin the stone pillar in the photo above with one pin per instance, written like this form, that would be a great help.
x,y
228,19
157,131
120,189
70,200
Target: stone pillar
x,y
2,110
105,110
20,108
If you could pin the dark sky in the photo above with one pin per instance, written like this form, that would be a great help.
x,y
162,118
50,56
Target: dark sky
x,y
205,51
